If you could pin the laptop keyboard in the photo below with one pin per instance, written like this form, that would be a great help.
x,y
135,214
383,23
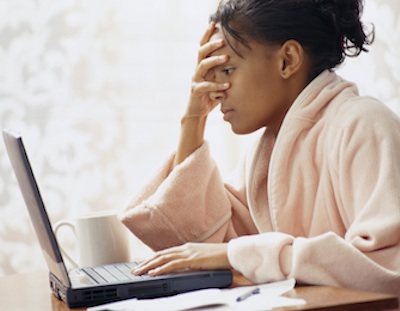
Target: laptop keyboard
x,y
113,273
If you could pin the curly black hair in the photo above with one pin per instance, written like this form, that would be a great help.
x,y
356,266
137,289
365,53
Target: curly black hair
x,y
329,30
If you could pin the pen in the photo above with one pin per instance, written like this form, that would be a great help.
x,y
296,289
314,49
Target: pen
x,y
246,295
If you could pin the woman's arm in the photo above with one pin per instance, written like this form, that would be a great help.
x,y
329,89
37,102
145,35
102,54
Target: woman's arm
x,y
202,99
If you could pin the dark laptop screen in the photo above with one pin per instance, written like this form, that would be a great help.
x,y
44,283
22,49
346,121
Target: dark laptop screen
x,y
33,200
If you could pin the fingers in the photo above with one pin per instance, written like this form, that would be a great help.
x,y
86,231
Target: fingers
x,y
168,267
205,61
206,91
207,35
163,262
203,70
214,92
208,48
210,87
192,256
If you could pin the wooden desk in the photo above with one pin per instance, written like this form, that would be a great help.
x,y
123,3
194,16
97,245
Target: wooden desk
x,y
31,292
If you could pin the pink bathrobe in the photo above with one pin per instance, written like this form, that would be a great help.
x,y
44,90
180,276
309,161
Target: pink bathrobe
x,y
320,203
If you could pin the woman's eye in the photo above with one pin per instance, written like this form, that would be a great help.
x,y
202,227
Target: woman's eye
x,y
227,71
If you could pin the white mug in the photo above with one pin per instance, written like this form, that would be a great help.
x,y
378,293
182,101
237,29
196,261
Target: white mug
x,y
101,239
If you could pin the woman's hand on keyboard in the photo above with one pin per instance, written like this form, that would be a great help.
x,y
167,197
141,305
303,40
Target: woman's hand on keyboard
x,y
193,256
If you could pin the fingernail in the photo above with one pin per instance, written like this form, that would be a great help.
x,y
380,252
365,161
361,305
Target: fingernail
x,y
136,271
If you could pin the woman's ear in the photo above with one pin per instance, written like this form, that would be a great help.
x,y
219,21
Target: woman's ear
x,y
291,58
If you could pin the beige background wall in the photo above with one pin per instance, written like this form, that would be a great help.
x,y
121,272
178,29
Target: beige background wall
x,y
97,88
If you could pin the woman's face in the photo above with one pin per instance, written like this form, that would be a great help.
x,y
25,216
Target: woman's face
x,y
257,96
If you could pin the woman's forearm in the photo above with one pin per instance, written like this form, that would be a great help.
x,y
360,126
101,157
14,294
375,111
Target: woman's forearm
x,y
192,137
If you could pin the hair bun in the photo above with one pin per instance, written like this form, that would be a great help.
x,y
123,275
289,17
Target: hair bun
x,y
345,17
345,13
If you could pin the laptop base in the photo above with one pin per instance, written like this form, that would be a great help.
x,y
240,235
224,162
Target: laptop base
x,y
150,288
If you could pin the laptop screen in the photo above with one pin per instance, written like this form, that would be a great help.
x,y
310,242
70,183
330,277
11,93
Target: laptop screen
x,y
33,200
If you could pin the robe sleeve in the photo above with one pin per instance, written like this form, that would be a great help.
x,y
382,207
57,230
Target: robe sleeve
x,y
188,203
367,257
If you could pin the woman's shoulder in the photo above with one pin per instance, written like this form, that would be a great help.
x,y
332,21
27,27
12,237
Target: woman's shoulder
x,y
365,112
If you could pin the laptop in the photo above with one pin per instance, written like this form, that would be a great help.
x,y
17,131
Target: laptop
x,y
90,286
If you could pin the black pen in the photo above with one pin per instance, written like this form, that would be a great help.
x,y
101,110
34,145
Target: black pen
x,y
246,295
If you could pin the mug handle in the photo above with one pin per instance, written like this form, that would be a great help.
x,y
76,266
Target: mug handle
x,y
63,251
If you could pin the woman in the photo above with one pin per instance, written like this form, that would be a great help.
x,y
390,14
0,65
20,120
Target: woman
x,y
317,198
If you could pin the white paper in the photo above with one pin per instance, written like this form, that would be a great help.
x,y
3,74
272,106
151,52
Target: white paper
x,y
213,299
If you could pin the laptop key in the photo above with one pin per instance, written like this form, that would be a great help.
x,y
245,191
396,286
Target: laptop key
x,y
95,276
105,274
126,269
118,274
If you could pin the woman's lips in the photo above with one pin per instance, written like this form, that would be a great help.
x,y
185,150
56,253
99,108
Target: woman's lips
x,y
227,113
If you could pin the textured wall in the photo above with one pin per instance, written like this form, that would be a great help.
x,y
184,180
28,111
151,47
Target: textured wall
x,y
97,88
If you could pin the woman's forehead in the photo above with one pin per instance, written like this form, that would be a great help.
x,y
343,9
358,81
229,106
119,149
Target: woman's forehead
x,y
231,44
